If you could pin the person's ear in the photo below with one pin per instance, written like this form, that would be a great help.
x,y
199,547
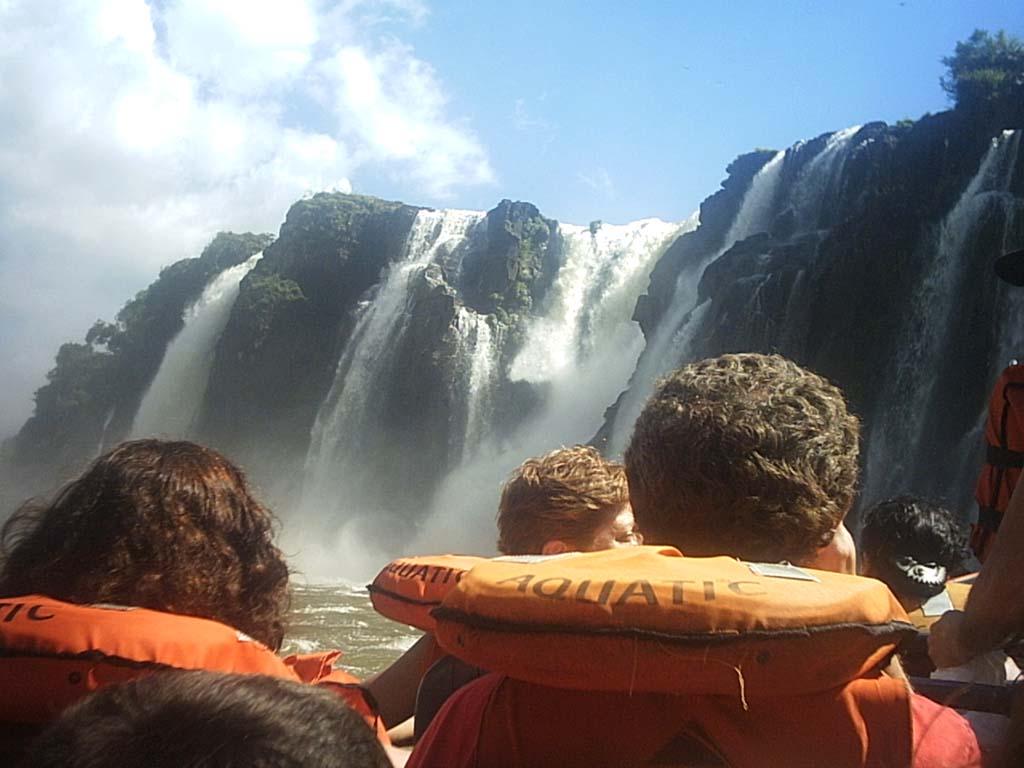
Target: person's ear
x,y
839,555
554,547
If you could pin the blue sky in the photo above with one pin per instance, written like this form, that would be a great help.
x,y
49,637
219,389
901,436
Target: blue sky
x,y
136,130
650,101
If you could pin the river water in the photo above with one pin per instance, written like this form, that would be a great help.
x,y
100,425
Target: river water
x,y
339,616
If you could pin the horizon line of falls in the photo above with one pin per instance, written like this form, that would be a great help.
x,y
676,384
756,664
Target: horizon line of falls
x,y
575,352
907,447
173,401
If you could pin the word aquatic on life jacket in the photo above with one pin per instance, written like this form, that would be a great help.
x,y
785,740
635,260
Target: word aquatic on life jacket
x,y
649,619
409,588
53,653
1004,457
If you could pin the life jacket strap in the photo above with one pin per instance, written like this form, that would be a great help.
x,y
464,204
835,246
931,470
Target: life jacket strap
x,y
998,456
989,518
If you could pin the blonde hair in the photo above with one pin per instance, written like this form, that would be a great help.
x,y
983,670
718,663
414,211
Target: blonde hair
x,y
566,495
746,455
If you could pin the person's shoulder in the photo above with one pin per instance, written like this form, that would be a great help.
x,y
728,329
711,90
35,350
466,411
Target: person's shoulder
x,y
942,736
451,739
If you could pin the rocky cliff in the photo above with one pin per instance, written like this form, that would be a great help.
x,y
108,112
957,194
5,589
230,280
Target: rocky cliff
x,y
377,347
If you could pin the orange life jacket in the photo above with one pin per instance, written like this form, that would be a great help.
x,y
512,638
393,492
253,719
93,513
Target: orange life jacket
x,y
409,588
649,619
1004,458
53,653
500,722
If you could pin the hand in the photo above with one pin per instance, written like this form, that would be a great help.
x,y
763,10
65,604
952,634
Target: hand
x,y
946,641
839,555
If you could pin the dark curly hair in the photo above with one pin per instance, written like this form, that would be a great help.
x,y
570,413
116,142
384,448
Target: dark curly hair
x,y
746,455
908,526
169,526
196,718
567,494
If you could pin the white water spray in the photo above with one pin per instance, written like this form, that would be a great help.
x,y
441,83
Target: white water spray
x,y
479,350
811,189
896,442
674,336
581,349
175,396
345,413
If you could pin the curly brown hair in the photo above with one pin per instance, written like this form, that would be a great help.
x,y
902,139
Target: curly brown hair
x,y
169,526
746,455
567,494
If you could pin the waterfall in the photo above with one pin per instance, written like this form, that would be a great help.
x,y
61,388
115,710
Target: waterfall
x,y
810,192
605,268
579,351
335,454
896,446
673,337
175,396
101,446
479,350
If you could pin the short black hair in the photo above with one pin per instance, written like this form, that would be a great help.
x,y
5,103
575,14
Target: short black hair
x,y
909,526
208,719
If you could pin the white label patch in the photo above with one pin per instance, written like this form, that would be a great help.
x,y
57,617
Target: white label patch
x,y
937,604
781,571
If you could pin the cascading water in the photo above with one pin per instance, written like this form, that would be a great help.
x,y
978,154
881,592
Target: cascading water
x,y
672,339
811,191
339,479
479,350
175,396
579,350
897,445
101,447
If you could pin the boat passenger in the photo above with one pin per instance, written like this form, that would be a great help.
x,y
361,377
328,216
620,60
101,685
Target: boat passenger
x,y
571,499
743,455
157,555
1004,435
914,546
215,720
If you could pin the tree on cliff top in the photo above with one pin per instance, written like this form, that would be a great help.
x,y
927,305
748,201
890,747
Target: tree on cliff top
x,y
985,68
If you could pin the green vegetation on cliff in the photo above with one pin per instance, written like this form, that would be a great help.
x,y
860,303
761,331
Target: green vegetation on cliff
x,y
100,383
513,272
984,69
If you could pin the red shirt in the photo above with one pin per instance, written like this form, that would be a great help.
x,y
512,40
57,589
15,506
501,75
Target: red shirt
x,y
496,721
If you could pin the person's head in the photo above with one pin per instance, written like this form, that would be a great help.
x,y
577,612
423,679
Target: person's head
x,y
169,526
745,455
208,719
912,545
571,499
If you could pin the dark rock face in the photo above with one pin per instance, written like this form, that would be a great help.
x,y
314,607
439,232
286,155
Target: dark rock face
x,y
716,215
517,264
297,310
832,284
275,361
830,275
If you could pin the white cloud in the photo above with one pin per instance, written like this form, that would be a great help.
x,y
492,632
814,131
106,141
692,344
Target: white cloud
x,y
133,132
392,106
524,120
599,180
241,47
